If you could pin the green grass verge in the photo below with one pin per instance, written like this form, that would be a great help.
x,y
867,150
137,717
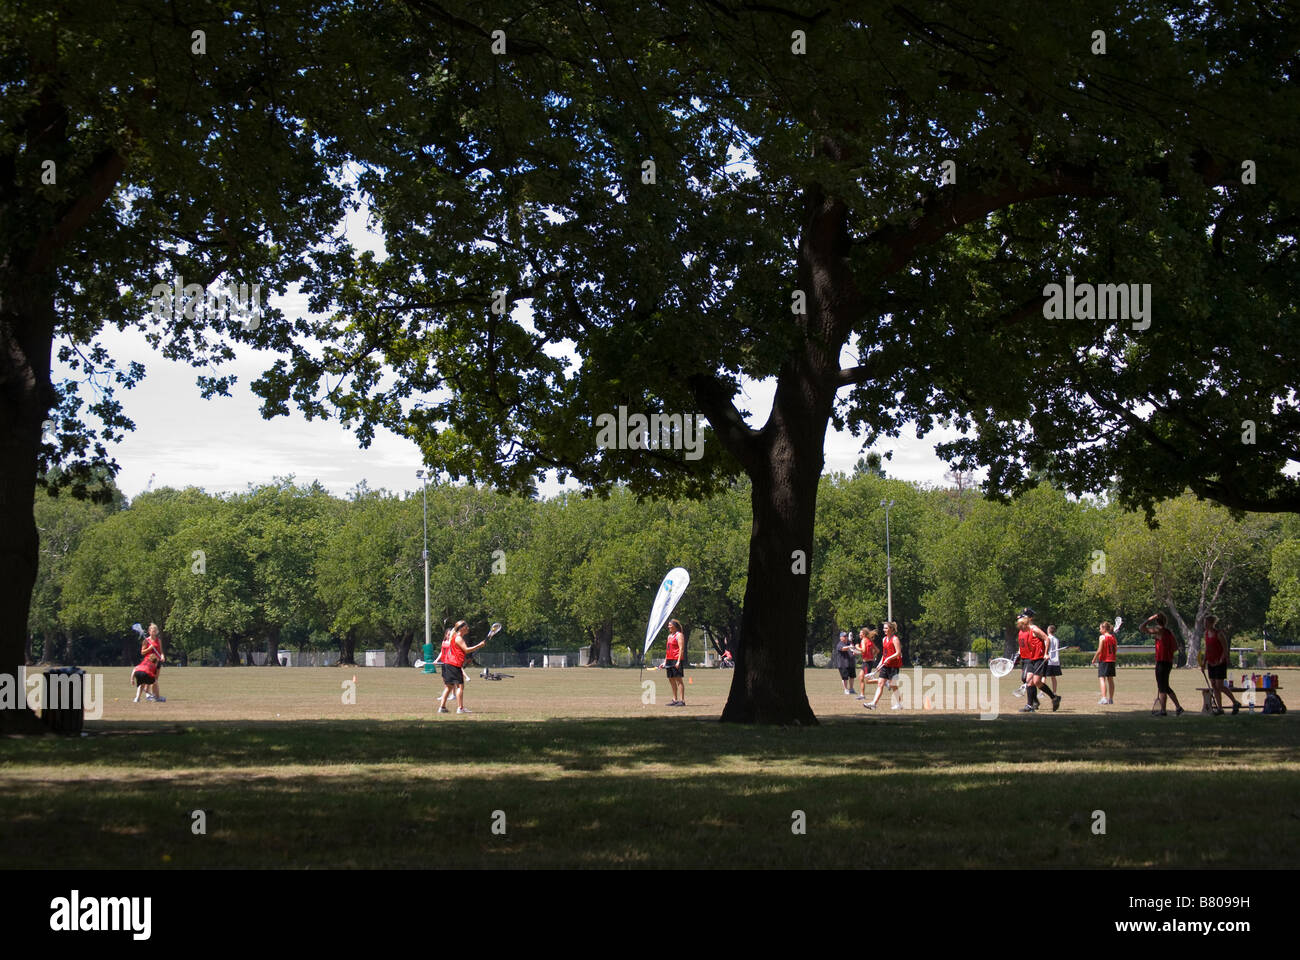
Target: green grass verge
x,y
919,790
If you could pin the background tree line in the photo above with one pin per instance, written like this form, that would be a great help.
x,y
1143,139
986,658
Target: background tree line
x,y
286,565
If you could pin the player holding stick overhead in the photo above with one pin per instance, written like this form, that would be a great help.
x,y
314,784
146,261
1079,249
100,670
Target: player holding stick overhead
x,y
1166,649
1033,651
1104,658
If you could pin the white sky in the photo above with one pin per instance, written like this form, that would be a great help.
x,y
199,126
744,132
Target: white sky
x,y
224,444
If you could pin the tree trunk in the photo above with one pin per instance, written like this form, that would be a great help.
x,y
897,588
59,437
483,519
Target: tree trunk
x,y
600,649
130,649
273,647
403,643
232,650
784,462
26,396
349,648
768,685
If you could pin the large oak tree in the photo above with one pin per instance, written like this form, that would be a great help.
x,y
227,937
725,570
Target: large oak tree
x,y
864,202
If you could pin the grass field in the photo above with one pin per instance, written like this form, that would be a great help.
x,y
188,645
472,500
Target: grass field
x,y
585,774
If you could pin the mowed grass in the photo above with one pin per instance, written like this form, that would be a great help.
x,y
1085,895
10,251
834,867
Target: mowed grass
x,y
583,773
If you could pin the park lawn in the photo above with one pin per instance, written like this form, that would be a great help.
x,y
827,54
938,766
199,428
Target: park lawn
x,y
586,774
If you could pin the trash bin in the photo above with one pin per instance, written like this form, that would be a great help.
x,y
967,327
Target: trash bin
x,y
63,705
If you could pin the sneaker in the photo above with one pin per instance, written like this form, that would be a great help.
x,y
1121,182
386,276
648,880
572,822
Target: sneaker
x,y
1102,701
461,710
1056,703
895,706
137,698
443,710
159,699
1178,712
1218,711
1028,708
862,696
1111,702
870,706
848,693
149,698
1236,709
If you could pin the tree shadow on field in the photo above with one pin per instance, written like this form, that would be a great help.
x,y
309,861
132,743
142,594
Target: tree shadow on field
x,y
655,792
913,742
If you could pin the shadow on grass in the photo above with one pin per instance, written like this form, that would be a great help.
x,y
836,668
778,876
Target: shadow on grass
x,y
658,792
594,744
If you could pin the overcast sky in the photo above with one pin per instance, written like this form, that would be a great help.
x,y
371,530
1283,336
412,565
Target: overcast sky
x,y
224,444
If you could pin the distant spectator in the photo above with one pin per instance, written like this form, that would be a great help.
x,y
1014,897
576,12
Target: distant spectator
x,y
844,660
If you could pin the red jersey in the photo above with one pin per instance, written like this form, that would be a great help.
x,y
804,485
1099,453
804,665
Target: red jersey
x,y
893,656
148,666
1109,647
674,646
868,651
1031,645
1213,647
1166,646
452,654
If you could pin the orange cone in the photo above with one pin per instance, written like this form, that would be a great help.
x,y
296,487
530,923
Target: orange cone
x,y
690,679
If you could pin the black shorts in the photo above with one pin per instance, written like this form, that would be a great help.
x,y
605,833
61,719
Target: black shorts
x,y
888,673
675,673
452,676
848,673
1053,670
142,679
1163,669
1036,667
1105,669
1218,672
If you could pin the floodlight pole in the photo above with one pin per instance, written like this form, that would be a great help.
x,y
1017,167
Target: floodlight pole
x,y
889,565
428,636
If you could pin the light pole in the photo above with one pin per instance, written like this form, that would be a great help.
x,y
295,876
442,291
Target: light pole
x,y
428,636
889,565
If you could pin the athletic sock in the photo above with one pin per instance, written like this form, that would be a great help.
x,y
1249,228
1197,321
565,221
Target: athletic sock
x,y
1032,696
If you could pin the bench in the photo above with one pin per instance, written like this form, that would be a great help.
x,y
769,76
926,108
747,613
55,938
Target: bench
x,y
1207,695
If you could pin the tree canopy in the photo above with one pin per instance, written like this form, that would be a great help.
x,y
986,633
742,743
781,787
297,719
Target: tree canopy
x,y
868,203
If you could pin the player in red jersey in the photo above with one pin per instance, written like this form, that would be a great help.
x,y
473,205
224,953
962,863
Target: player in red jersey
x,y
151,649
867,650
145,675
675,663
1166,649
891,659
1033,651
1216,664
1104,658
454,653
